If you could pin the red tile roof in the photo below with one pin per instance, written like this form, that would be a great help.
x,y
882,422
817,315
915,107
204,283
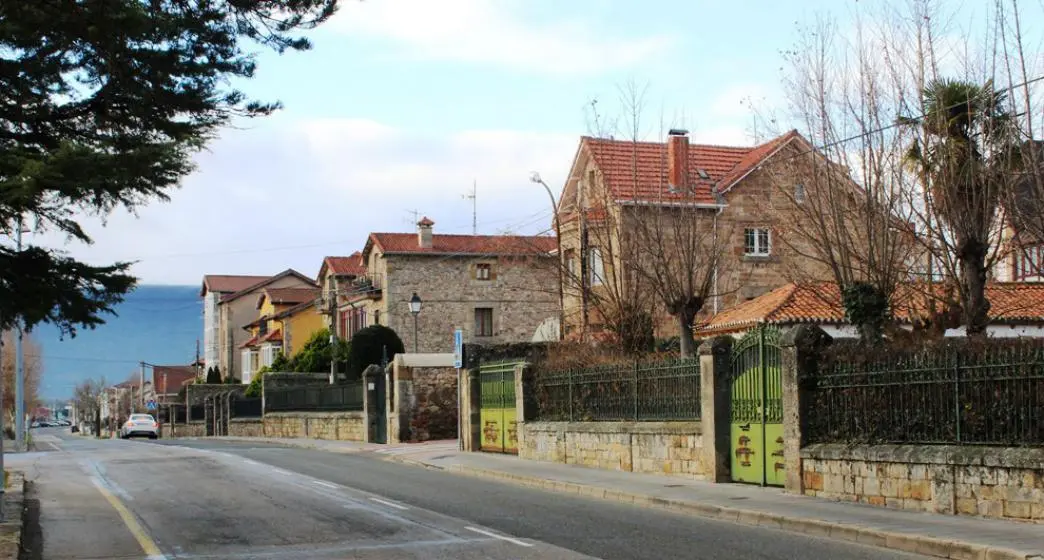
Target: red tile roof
x,y
250,343
638,170
291,296
267,281
176,376
1011,302
228,283
351,265
443,244
274,336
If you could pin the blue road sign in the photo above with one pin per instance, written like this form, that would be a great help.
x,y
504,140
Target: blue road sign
x,y
458,348
151,405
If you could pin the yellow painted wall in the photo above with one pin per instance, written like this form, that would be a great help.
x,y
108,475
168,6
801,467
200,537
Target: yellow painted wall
x,y
300,327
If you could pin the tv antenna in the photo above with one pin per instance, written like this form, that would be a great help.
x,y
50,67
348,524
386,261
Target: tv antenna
x,y
473,197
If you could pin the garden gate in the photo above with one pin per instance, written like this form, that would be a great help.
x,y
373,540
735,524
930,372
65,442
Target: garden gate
x,y
756,412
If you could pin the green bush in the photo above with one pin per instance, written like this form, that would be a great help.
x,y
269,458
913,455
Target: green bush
x,y
253,390
371,346
317,354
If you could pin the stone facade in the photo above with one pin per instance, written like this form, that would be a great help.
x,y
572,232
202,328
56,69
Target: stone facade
x,y
521,293
647,447
435,411
342,426
992,482
191,429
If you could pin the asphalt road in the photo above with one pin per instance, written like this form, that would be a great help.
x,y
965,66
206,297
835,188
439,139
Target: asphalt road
x,y
204,499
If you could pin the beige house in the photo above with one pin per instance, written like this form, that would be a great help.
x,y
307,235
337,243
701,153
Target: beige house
x,y
613,184
495,288
215,287
238,309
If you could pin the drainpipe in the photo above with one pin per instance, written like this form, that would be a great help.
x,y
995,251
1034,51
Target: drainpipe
x,y
717,296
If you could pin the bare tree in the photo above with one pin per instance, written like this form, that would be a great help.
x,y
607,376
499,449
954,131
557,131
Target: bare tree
x,y
87,397
32,368
845,200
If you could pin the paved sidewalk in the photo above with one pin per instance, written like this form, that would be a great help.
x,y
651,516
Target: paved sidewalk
x,y
943,536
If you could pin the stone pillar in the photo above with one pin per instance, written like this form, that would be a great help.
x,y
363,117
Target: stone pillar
x,y
715,403
801,347
523,401
402,403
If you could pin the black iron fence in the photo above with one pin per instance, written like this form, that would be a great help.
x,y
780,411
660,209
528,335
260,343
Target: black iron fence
x,y
658,391
343,397
245,408
958,394
197,412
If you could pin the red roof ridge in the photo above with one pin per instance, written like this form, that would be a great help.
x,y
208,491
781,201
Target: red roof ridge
x,y
664,144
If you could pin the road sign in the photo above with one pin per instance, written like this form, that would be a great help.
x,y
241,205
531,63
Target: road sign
x,y
458,348
151,405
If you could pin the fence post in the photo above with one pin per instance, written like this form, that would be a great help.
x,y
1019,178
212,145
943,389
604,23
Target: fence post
x,y
957,395
800,347
634,392
570,383
715,399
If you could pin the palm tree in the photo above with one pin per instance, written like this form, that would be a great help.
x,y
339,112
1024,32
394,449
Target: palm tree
x,y
961,154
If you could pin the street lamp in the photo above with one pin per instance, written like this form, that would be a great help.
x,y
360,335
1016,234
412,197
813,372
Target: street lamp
x,y
415,307
535,178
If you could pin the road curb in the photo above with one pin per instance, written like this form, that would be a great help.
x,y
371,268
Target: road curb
x,y
918,544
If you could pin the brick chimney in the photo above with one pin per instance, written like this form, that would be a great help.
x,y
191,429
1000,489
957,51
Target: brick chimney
x,y
424,233
678,159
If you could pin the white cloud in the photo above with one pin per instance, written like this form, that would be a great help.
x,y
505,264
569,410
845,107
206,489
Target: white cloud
x,y
286,193
493,31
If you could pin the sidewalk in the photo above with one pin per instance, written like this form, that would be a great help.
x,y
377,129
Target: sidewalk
x,y
943,536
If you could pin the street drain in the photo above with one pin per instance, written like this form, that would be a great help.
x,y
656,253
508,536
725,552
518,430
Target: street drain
x,y
673,485
440,457
739,498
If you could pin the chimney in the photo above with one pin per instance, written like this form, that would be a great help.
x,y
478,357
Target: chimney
x,y
424,233
678,159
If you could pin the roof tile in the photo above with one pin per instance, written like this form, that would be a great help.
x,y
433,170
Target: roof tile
x,y
465,244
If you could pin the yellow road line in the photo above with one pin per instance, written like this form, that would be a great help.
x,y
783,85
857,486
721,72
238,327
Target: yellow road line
x,y
146,542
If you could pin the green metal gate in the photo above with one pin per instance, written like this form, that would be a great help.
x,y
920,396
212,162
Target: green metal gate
x,y
497,407
756,412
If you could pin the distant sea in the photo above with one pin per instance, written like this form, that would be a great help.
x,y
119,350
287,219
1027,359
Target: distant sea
x,y
155,324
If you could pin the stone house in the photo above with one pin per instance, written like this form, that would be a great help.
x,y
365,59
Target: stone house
x,y
614,186
1017,310
339,277
216,286
239,308
286,319
496,288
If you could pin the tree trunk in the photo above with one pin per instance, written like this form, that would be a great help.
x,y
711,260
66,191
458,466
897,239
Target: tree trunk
x,y
687,342
973,276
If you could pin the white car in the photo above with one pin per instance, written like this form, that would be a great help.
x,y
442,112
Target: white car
x,y
140,425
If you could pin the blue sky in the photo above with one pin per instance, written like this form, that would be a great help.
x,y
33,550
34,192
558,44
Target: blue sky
x,y
402,104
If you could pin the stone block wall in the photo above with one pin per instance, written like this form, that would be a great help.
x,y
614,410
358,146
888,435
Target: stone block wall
x,y
246,427
191,429
343,426
647,447
992,482
435,411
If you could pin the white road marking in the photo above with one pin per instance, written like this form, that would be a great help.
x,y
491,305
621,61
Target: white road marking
x,y
250,462
496,536
326,484
389,504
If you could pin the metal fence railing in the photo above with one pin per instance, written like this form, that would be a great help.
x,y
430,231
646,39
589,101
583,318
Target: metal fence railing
x,y
246,408
343,397
658,391
991,395
197,412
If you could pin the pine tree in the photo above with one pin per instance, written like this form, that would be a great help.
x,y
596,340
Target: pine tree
x,y
102,105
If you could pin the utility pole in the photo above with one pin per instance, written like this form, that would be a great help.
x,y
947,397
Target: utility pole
x,y
1,423
19,364
141,384
473,197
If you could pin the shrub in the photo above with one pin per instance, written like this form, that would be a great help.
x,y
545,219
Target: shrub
x,y
371,346
317,354
253,390
213,376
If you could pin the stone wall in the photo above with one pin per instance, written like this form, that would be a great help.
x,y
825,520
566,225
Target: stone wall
x,y
435,411
647,447
992,482
191,429
246,427
343,426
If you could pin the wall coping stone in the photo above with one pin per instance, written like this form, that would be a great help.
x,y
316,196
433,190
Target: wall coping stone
x,y
322,415
247,420
975,455
666,428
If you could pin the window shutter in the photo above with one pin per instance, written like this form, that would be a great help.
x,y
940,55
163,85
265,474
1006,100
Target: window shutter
x,y
474,271
492,272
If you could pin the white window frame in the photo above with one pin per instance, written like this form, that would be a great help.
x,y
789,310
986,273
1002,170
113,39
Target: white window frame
x,y
246,368
596,266
762,246
484,272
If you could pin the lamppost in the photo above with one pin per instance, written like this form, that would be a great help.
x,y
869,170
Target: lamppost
x,y
535,177
415,307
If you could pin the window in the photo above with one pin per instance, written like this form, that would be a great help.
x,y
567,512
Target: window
x,y
483,321
269,354
570,263
757,242
1028,262
799,193
262,328
247,367
483,271
376,316
595,266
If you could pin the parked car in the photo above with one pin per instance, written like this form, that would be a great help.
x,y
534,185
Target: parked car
x,y
140,425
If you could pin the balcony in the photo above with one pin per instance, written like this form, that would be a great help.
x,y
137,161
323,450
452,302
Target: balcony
x,y
367,285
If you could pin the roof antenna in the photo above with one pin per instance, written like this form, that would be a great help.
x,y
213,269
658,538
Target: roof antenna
x,y
473,196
